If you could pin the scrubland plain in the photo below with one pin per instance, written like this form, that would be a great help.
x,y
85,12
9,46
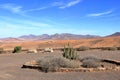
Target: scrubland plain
x,y
10,67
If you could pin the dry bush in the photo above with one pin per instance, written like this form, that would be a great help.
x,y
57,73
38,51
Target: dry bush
x,y
1,50
112,48
91,62
17,49
52,63
118,48
109,48
83,48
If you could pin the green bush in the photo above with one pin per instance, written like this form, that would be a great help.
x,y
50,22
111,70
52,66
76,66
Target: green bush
x,y
69,53
91,62
1,50
83,48
17,49
52,63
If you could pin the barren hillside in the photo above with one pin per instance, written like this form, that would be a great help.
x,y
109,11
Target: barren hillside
x,y
95,42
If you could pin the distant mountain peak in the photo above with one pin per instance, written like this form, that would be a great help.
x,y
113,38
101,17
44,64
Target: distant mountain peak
x,y
114,34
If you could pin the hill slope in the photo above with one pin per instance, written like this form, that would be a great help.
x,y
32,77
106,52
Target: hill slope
x,y
114,34
94,42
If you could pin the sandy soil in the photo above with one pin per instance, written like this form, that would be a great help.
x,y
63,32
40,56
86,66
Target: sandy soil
x,y
10,67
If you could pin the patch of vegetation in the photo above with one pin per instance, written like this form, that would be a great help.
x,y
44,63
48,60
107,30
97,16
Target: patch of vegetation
x,y
83,48
1,50
110,48
70,53
91,62
52,63
118,48
17,49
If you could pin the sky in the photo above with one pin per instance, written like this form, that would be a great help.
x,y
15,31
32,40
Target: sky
x,y
24,17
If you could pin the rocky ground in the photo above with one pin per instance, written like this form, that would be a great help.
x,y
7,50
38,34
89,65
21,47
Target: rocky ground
x,y
10,67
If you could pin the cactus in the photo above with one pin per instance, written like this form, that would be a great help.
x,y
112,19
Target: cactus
x,y
69,52
17,49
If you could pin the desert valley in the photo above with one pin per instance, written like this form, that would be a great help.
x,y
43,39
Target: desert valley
x,y
103,49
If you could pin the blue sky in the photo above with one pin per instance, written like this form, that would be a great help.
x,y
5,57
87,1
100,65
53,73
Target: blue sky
x,y
22,17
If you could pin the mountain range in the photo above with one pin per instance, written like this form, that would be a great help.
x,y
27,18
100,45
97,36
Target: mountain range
x,y
64,36
56,36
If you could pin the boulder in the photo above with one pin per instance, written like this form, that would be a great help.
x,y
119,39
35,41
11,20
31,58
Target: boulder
x,y
48,50
32,51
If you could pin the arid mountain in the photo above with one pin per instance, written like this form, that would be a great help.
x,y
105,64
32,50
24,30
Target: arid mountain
x,y
59,40
114,34
28,36
64,36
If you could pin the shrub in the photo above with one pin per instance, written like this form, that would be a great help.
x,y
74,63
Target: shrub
x,y
91,62
1,50
17,49
90,58
118,48
83,48
104,48
69,53
51,63
110,48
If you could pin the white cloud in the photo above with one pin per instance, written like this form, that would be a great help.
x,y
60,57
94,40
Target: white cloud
x,y
18,9
100,14
36,24
11,7
57,4
21,22
35,9
69,4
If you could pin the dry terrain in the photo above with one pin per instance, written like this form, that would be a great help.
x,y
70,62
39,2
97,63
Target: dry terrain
x,y
10,67
28,44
